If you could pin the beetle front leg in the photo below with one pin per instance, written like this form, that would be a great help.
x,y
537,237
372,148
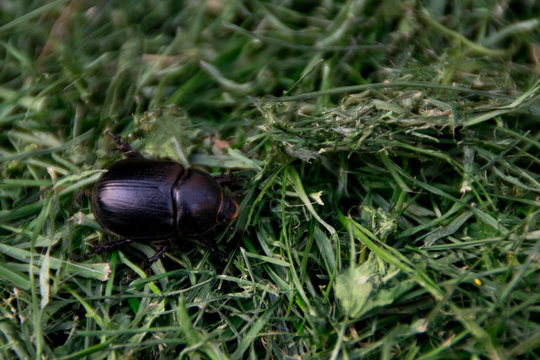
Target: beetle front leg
x,y
124,147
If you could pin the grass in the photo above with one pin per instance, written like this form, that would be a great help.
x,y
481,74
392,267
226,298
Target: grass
x,y
392,156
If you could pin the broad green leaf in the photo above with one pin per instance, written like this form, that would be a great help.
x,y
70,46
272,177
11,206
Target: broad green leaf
x,y
372,284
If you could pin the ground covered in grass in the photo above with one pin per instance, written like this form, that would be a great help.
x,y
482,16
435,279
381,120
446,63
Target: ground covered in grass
x,y
388,153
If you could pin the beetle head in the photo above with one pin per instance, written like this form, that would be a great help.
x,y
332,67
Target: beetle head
x,y
228,209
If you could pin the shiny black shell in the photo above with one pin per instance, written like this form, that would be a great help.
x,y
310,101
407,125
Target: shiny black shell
x,y
149,199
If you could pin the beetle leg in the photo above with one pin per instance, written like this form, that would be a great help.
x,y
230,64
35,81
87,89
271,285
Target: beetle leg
x,y
229,179
77,199
208,245
225,179
218,257
158,254
104,247
124,147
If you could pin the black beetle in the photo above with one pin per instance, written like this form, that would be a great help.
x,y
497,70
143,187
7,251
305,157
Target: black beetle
x,y
142,200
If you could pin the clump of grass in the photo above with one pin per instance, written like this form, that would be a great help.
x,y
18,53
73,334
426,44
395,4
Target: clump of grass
x,y
391,209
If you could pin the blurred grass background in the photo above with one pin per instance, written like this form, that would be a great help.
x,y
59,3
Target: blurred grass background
x,y
392,151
